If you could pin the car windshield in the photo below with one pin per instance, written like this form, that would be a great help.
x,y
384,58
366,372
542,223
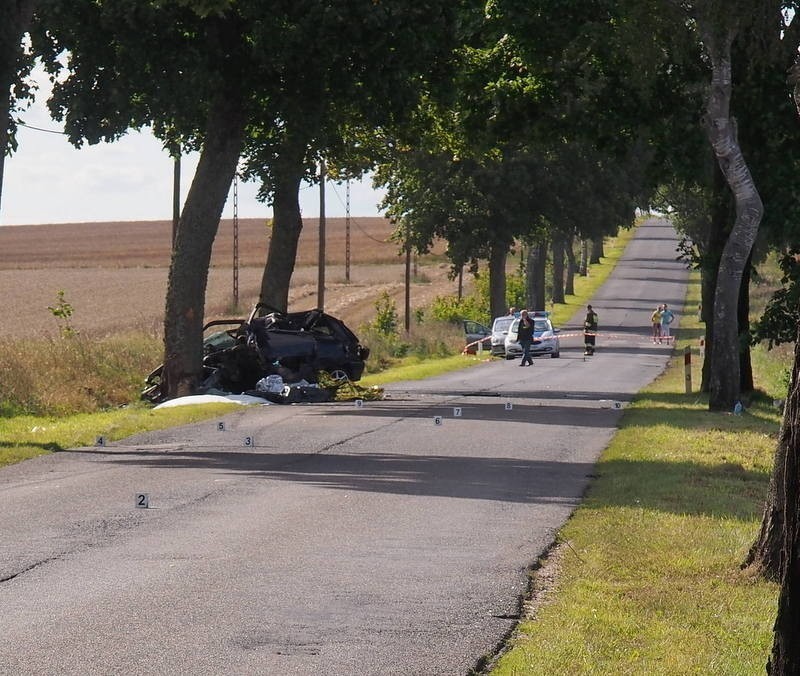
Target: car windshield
x,y
538,325
502,323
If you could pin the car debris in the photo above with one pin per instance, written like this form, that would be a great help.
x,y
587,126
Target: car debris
x,y
285,357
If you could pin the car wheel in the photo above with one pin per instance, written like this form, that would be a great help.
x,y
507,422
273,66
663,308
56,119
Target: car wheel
x,y
338,374
555,355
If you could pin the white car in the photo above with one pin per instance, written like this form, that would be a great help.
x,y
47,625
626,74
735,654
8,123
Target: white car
x,y
545,338
500,327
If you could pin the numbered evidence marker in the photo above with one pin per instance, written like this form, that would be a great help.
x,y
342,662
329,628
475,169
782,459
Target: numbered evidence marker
x,y
220,426
142,500
437,420
509,406
249,442
617,404
100,441
457,412
359,403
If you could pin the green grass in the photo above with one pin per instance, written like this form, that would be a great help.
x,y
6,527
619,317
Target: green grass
x,y
26,436
649,578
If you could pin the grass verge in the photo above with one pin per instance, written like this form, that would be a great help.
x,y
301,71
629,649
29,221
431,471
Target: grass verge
x,y
648,578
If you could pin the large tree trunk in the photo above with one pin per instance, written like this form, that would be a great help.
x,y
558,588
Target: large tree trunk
x,y
287,223
746,383
188,273
583,269
785,658
15,19
535,276
765,557
597,251
724,373
718,234
569,285
497,279
558,270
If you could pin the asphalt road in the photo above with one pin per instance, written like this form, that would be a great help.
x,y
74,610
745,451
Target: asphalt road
x,y
341,540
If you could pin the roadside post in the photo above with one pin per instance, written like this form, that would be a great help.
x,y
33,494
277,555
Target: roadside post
x,y
687,368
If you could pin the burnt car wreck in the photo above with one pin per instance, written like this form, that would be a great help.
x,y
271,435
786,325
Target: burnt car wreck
x,y
277,355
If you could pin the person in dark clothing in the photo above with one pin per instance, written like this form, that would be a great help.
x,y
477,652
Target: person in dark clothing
x,y
589,330
525,337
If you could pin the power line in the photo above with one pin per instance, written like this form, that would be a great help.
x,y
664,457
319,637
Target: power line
x,y
356,223
48,131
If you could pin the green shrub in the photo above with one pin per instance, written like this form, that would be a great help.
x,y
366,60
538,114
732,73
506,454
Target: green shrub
x,y
386,321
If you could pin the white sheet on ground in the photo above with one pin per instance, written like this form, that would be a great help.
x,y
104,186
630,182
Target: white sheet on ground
x,y
243,399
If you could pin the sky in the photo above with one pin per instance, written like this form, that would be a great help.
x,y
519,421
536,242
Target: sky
x,y
49,181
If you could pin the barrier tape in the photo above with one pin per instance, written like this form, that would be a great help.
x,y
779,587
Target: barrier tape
x,y
580,334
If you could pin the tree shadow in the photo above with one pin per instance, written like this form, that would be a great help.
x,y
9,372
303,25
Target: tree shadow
x,y
724,490
678,488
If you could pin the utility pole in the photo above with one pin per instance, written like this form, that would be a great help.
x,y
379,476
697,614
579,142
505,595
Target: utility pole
x,y
176,190
236,241
408,281
347,233
321,256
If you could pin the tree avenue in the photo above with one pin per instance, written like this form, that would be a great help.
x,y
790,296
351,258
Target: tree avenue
x,y
490,125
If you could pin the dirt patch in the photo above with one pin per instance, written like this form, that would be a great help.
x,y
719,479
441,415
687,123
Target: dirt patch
x,y
115,274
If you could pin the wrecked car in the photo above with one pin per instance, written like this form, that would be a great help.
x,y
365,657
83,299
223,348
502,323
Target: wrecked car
x,y
293,345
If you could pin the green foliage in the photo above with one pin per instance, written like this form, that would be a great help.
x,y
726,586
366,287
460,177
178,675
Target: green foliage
x,y
452,309
781,318
386,320
63,312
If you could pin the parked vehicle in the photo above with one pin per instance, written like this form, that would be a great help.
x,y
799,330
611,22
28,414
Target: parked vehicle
x,y
476,334
500,327
294,345
545,337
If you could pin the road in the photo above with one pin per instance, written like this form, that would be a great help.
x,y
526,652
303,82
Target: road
x,y
342,539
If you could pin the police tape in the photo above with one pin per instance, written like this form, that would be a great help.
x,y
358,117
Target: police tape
x,y
577,334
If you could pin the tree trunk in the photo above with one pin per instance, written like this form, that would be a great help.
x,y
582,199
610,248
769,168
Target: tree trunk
x,y
287,223
746,383
583,270
717,236
785,658
569,286
558,270
720,127
765,557
535,276
188,273
15,19
497,279
597,251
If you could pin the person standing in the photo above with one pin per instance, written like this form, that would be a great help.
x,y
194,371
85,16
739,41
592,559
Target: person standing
x,y
525,338
589,330
655,320
667,317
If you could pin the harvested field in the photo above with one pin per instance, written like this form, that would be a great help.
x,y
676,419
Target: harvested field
x,y
115,274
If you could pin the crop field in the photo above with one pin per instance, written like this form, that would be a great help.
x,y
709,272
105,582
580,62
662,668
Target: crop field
x,y
114,275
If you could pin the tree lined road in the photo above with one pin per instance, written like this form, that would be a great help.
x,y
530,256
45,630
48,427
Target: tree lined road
x,y
343,541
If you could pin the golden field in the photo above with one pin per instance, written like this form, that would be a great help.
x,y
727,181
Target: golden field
x,y
115,274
